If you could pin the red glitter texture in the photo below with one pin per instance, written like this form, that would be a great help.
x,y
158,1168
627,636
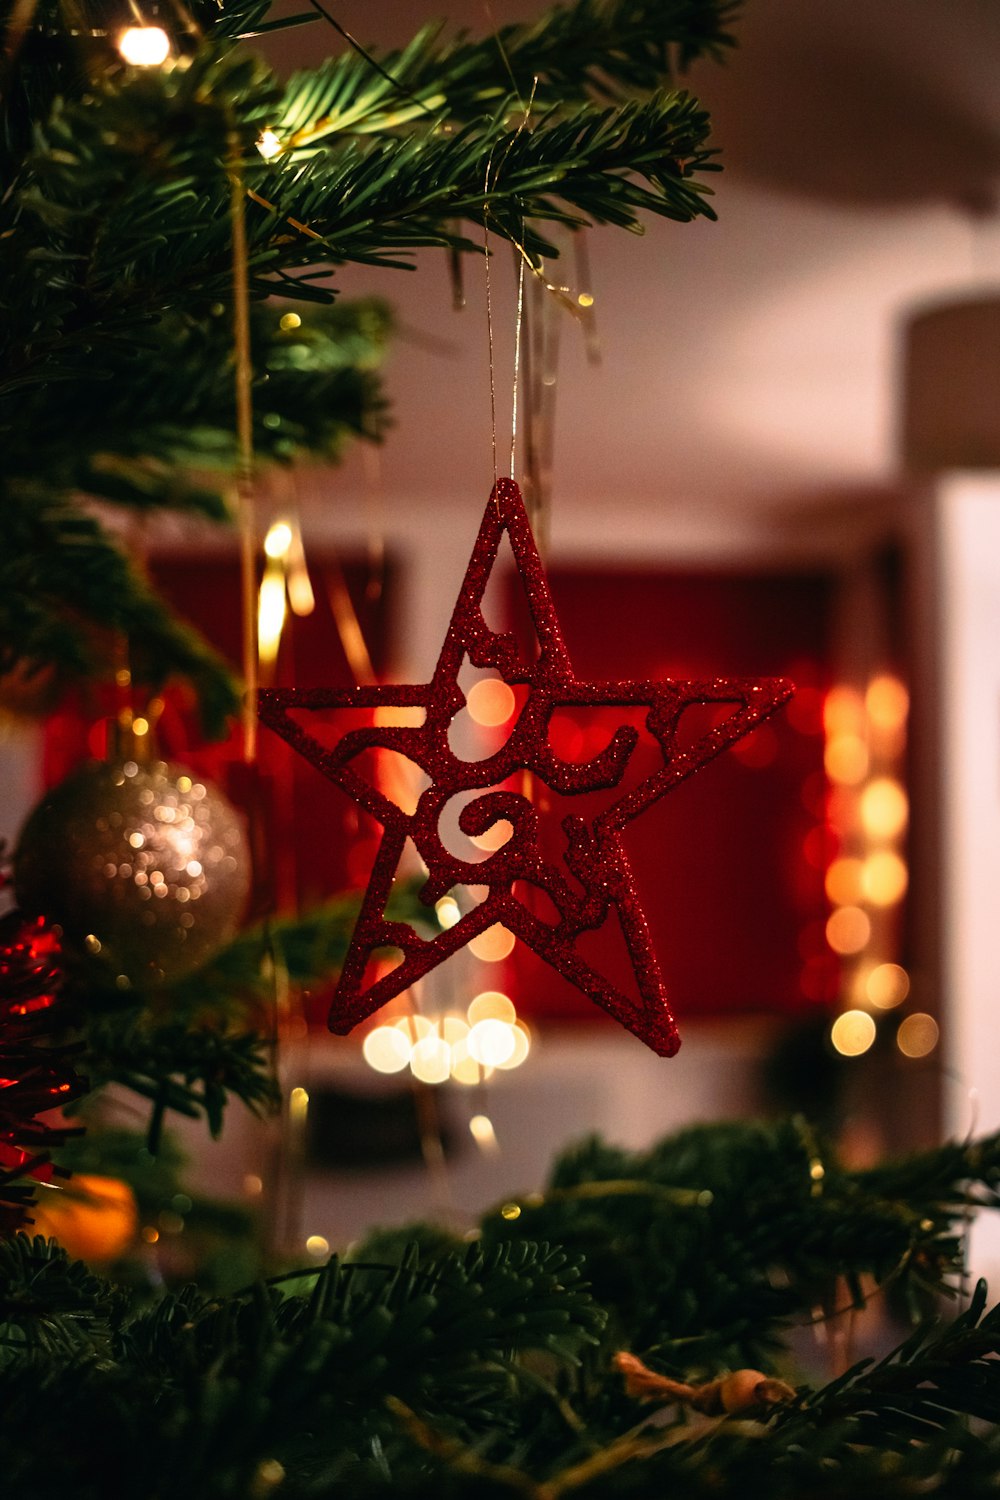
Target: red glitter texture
x,y
594,856
36,1074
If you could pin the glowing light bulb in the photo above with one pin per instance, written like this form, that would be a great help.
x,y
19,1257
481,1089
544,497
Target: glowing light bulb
x,y
386,1050
482,1132
490,702
144,46
491,1005
278,539
317,1245
884,878
268,144
464,1068
852,1033
270,614
494,944
848,930
522,1046
430,1059
846,759
843,881
887,702
288,321
491,1043
884,808
448,911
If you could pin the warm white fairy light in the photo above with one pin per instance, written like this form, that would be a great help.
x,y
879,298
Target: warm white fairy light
x,y
430,1059
448,911
268,144
144,46
452,1047
278,540
491,1043
482,1132
852,1033
271,611
492,1005
386,1050
522,1046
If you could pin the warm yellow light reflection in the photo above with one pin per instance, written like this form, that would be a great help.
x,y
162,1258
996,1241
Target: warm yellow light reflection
x,y
848,929
430,1059
852,1033
887,702
494,944
448,911
289,320
144,46
884,808
495,836
843,882
464,1068
278,539
491,1043
454,1030
491,1005
268,144
888,986
414,1028
846,759
884,878
386,1050
843,711
918,1035
522,1046
490,702
317,1245
298,1106
270,614
482,1132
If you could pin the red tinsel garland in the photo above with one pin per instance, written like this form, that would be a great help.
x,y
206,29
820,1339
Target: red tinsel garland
x,y
36,1074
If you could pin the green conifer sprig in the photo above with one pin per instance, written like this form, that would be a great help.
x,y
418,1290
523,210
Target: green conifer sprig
x,y
115,255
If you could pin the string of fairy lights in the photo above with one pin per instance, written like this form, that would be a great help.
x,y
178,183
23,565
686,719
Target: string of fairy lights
x,y
867,878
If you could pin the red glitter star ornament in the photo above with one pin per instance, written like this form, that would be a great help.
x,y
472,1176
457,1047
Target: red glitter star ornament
x,y
592,882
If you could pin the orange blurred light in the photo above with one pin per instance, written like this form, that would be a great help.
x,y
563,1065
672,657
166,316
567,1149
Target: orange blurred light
x,y
490,702
843,711
846,759
887,702
852,1033
884,808
848,930
887,985
884,878
843,881
494,944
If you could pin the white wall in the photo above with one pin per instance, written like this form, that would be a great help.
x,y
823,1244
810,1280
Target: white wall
x,y
968,524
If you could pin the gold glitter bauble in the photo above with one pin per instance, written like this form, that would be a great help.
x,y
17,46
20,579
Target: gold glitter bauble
x,y
146,865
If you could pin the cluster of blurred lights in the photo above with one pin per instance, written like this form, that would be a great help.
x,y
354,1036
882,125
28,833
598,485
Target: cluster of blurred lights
x,y
466,1049
865,884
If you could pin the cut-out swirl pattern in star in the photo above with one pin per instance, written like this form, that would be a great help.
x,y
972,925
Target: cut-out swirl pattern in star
x,y
592,883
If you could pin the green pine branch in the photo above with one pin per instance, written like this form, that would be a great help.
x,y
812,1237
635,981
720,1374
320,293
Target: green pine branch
x,y
486,1370
595,49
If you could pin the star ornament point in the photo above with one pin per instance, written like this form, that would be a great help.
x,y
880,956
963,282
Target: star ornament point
x,y
592,882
